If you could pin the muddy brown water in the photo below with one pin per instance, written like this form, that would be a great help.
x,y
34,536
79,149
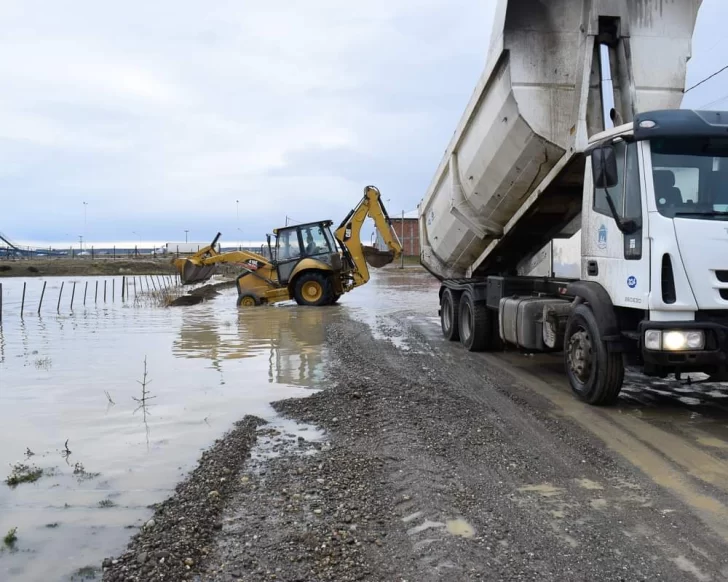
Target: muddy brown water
x,y
73,376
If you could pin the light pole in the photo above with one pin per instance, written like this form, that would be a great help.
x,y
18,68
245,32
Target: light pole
x,y
80,241
85,205
186,231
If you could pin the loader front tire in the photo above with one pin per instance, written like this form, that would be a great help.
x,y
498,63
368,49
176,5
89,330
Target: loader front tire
x,y
248,300
314,289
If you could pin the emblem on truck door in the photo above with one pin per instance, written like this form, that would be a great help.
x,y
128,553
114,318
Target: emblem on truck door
x,y
602,237
632,282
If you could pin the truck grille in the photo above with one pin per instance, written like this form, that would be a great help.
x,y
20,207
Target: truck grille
x,y
724,294
722,276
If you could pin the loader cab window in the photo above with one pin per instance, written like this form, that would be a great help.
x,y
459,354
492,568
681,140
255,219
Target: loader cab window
x,y
314,240
287,245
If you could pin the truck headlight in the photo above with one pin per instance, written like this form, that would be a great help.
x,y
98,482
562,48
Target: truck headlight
x,y
653,339
674,340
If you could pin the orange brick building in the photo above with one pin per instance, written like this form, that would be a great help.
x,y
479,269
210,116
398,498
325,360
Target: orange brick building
x,y
408,231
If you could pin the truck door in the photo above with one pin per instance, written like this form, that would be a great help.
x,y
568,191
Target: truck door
x,y
618,261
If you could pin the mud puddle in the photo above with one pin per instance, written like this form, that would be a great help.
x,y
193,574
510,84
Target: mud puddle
x,y
71,405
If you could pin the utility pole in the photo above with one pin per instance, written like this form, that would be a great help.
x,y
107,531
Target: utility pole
x,y
186,231
80,241
401,256
85,205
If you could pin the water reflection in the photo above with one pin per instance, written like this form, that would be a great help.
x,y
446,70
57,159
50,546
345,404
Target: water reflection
x,y
291,338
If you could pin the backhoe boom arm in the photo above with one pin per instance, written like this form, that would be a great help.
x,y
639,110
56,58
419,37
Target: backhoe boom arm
x,y
349,235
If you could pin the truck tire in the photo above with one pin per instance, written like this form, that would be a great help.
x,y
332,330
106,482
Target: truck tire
x,y
595,374
313,289
449,312
475,323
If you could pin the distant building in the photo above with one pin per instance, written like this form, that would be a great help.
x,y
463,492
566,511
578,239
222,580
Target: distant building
x,y
408,231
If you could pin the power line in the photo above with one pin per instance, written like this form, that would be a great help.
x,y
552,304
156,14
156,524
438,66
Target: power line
x,y
714,102
707,79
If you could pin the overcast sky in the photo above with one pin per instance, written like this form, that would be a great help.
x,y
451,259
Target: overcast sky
x,y
160,115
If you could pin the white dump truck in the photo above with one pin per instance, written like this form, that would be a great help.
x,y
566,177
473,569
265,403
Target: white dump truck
x,y
535,158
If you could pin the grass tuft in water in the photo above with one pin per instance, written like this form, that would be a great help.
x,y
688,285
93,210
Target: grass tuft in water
x,y
43,363
23,473
106,503
11,537
81,473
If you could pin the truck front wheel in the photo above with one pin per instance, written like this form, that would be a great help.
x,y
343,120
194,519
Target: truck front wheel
x,y
449,308
595,374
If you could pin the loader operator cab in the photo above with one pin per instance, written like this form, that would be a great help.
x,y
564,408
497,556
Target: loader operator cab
x,y
312,240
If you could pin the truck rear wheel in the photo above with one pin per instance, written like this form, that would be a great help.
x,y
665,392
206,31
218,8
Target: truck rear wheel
x,y
595,374
475,322
449,308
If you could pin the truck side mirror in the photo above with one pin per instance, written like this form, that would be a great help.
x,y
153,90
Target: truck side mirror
x,y
604,167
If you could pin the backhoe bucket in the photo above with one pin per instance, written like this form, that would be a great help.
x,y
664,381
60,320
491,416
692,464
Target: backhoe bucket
x,y
190,273
377,258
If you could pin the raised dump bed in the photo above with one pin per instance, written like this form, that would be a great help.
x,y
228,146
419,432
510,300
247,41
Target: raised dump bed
x,y
512,176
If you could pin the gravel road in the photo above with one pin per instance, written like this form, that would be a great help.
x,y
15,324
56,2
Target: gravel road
x,y
436,470
440,465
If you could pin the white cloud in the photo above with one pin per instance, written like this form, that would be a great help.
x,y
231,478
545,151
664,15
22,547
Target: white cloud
x,y
162,114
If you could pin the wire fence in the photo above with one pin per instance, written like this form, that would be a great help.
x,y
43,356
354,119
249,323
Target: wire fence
x,y
64,296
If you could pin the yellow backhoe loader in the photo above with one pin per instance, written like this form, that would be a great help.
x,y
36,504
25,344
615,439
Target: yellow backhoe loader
x,y
307,262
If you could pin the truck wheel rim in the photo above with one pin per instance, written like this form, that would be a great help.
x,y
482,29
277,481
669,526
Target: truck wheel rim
x,y
247,302
312,290
466,323
580,355
447,314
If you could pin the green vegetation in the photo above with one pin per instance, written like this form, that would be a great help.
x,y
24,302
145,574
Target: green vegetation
x,y
11,537
22,473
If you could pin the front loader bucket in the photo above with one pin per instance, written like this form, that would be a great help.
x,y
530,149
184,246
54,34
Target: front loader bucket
x,y
190,273
377,258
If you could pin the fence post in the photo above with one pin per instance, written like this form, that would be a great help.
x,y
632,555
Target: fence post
x,y
73,294
104,290
42,293
123,284
60,294
114,251
22,302
113,289
84,294
96,295
92,253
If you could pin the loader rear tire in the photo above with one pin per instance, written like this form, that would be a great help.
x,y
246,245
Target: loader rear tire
x,y
314,289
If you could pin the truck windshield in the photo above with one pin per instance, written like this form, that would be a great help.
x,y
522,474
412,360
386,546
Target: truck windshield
x,y
691,177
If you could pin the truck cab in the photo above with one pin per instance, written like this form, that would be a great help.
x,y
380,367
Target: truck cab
x,y
655,236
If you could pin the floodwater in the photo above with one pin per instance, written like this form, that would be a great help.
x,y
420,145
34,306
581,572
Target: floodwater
x,y
72,377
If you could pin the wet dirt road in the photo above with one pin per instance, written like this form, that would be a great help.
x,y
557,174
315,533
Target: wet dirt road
x,y
445,465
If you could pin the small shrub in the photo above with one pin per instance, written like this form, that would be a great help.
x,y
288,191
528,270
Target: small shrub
x,y
22,473
11,537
